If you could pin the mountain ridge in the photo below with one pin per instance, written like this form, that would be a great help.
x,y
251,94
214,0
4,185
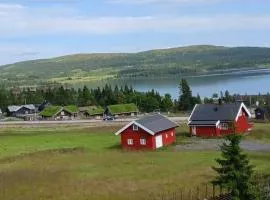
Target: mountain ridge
x,y
166,62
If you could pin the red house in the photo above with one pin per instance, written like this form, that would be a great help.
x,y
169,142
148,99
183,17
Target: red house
x,y
211,120
150,132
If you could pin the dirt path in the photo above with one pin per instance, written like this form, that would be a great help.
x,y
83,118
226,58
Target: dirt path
x,y
214,144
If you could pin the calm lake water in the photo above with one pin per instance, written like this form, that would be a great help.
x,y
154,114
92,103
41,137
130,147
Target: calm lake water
x,y
205,86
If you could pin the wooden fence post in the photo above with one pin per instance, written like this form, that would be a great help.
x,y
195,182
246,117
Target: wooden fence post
x,y
214,191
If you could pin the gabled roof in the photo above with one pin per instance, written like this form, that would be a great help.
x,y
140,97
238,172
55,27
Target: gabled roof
x,y
29,106
13,108
214,112
51,111
16,108
152,124
123,108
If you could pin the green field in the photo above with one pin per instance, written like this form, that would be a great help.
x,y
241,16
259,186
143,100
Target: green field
x,y
86,163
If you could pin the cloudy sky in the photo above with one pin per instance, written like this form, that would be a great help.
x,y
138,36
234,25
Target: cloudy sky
x,y
31,29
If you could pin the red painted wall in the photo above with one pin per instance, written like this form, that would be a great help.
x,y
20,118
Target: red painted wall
x,y
206,131
150,140
241,126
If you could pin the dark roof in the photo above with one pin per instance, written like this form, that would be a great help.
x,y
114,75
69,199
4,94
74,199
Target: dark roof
x,y
259,109
212,112
203,123
156,123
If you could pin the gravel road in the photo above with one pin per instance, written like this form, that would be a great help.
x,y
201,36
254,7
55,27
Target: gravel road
x,y
214,144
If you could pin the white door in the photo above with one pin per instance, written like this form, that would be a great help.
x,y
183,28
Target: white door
x,y
159,142
194,131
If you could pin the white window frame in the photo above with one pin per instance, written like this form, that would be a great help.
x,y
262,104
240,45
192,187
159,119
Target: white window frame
x,y
130,142
143,141
224,126
135,127
172,133
166,135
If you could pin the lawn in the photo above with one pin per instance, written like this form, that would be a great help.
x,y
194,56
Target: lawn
x,y
87,163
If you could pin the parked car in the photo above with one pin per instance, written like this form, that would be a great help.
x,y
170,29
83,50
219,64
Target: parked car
x,y
109,118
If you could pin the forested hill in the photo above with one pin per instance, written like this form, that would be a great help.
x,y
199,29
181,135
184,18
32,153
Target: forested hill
x,y
163,62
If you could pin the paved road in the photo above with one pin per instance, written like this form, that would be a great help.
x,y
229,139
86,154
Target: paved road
x,y
73,122
198,144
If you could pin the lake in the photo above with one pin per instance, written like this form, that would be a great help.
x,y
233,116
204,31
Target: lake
x,y
203,85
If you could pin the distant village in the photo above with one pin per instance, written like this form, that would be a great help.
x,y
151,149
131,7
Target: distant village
x,y
47,111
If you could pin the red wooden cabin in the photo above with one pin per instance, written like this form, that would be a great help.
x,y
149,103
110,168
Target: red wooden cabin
x,y
211,120
150,132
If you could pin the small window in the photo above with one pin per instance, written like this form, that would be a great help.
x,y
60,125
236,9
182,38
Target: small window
x,y
224,126
143,141
172,133
135,127
166,135
130,141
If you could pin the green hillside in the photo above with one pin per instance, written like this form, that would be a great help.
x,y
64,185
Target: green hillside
x,y
163,62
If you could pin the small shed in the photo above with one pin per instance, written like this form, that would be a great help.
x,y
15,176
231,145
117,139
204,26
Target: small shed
x,y
150,132
260,113
211,120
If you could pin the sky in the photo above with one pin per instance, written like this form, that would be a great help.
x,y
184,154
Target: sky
x,y
33,29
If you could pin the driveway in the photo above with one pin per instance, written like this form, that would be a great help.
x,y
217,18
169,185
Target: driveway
x,y
214,144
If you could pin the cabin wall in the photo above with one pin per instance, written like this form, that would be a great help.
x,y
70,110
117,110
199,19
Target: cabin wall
x,y
136,136
206,131
242,124
168,137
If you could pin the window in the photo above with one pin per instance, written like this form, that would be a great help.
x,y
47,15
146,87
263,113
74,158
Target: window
x,y
166,135
130,141
224,126
143,141
172,133
135,127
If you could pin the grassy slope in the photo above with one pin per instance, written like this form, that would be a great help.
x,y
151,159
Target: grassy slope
x,y
83,67
95,168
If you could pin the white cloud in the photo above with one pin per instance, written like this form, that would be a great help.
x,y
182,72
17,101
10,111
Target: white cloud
x,y
19,21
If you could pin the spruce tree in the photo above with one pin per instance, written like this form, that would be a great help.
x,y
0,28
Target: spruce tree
x,y
234,171
185,98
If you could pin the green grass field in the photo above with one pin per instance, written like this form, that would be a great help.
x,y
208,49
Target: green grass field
x,y
87,163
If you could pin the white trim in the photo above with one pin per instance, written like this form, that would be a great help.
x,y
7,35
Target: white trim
x,y
240,109
192,112
136,123
218,122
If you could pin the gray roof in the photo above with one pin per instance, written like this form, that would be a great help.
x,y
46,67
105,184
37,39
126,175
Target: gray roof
x,y
214,112
14,108
203,123
156,123
29,106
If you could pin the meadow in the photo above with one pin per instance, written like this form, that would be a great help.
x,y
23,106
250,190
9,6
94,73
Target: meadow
x,y
83,163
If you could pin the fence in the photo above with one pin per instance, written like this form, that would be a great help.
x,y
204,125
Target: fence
x,y
211,192
204,192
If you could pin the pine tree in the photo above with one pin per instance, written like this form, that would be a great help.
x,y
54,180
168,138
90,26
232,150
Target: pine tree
x,y
235,172
185,98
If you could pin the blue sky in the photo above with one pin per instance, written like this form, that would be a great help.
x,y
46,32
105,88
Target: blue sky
x,y
31,29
